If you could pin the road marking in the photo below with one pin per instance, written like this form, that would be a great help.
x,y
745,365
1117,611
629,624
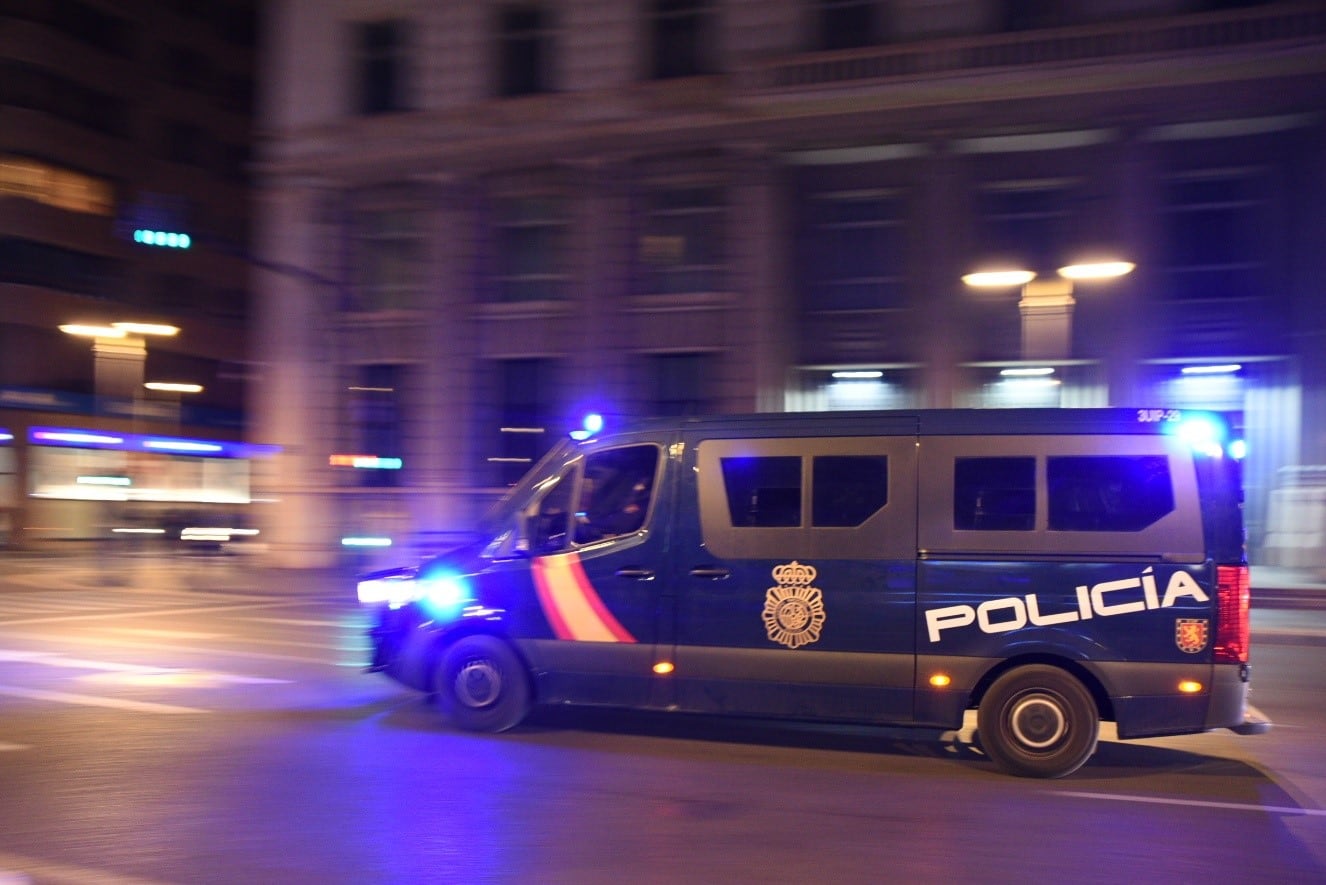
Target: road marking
x,y
86,700
1200,803
146,612
156,647
165,634
15,868
297,622
148,673
6,748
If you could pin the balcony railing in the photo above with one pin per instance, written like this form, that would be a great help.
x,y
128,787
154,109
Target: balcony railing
x,y
1299,23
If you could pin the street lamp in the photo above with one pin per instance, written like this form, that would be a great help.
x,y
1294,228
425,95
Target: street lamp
x,y
119,352
1047,305
173,397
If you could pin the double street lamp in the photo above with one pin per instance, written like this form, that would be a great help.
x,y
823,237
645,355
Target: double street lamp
x,y
120,354
1046,305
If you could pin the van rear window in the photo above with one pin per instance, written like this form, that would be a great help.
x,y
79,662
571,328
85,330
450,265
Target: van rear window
x,y
1108,493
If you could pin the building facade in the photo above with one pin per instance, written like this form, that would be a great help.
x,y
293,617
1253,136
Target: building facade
x,y
125,134
478,222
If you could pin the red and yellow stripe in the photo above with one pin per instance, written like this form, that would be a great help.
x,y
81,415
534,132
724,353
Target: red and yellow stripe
x,y
570,603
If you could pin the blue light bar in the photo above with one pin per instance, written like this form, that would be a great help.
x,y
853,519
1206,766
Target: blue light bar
x,y
593,424
82,438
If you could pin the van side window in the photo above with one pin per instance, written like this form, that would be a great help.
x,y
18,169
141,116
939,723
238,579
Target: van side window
x,y
994,494
847,489
763,492
615,493
549,524
1108,493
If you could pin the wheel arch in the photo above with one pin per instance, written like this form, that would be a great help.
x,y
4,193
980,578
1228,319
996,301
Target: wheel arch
x,y
1077,669
443,639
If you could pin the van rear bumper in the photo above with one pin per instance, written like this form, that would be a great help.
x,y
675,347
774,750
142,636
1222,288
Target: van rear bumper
x,y
1254,722
1149,706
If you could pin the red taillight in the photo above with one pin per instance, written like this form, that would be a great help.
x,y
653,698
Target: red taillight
x,y
1233,599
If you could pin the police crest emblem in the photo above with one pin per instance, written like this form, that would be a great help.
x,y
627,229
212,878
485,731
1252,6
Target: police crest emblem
x,y
794,610
1190,634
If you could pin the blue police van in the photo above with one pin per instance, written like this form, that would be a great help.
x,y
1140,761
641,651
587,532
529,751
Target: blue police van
x,y
1048,568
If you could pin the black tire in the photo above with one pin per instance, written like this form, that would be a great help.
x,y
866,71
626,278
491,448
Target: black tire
x,y
482,685
1038,721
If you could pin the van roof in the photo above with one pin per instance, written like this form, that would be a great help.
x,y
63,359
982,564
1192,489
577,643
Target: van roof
x,y
956,422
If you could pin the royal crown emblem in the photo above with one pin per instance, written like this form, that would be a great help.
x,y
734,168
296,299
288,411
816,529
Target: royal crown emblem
x,y
794,610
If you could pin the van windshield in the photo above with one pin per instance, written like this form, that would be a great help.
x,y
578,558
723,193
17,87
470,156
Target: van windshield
x,y
501,516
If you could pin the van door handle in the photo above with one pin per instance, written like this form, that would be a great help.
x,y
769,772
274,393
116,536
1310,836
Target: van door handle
x,y
717,573
640,574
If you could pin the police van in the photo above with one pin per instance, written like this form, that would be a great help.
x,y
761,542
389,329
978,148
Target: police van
x,y
1048,568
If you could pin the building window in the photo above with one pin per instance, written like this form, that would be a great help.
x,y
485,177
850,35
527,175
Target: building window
x,y
54,186
1212,222
679,38
184,143
377,419
681,243
524,50
847,24
854,250
1027,15
1026,222
380,67
677,382
527,392
531,240
391,259
31,263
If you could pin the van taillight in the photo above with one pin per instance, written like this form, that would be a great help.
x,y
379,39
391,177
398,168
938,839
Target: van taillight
x,y
1233,598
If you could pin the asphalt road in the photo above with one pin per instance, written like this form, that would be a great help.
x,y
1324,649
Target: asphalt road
x,y
158,726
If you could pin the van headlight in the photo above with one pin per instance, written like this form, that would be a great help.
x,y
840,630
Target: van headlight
x,y
441,594
395,588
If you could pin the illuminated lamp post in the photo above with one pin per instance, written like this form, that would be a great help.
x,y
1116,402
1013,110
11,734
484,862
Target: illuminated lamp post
x,y
174,392
1047,305
119,353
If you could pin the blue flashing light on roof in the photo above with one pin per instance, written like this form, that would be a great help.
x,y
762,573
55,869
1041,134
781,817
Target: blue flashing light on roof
x,y
1238,449
593,424
1205,434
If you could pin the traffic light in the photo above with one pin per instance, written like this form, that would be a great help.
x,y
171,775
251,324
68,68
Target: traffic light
x,y
169,239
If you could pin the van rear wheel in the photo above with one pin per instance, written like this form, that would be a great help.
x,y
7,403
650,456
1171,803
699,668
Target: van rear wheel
x,y
482,684
1038,721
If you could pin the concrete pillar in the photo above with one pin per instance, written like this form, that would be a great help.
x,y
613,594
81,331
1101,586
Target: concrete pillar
x,y
1047,319
291,304
761,261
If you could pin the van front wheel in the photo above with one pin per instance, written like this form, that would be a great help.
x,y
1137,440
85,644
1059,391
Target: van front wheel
x,y
482,685
1038,721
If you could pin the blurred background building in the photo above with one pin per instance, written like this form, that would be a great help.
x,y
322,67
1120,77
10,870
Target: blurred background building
x,y
477,221
125,132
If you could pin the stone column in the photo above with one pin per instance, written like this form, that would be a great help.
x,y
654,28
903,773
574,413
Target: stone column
x,y
1047,319
294,306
